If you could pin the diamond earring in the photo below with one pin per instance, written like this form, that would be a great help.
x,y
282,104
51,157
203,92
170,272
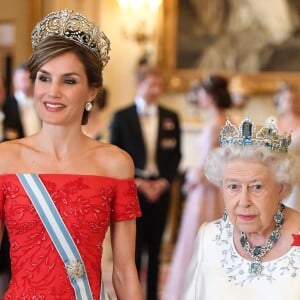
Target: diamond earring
x,y
88,106
225,215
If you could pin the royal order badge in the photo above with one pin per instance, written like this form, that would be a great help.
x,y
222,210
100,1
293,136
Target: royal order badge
x,y
75,269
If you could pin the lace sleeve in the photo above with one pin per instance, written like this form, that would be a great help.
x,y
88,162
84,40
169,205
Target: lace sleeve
x,y
125,205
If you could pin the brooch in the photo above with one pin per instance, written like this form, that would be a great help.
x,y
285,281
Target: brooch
x,y
75,269
168,124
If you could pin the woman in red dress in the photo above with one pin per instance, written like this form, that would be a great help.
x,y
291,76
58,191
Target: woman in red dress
x,y
90,183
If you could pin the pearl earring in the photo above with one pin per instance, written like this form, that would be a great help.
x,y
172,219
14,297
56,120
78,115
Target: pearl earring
x,y
88,106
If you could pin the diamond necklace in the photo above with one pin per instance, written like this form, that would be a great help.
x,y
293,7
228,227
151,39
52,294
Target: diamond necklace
x,y
257,252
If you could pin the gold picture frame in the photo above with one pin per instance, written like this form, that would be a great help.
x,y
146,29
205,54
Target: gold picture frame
x,y
180,79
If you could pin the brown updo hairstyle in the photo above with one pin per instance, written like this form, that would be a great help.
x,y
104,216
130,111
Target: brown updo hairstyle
x,y
55,46
217,87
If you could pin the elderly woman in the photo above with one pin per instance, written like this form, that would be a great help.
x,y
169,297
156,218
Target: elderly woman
x,y
253,251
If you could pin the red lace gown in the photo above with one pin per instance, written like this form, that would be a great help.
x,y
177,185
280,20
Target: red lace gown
x,y
88,204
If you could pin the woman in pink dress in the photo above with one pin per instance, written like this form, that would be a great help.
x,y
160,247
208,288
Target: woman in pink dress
x,y
59,189
203,202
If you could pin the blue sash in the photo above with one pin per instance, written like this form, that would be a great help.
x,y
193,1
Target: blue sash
x,y
59,235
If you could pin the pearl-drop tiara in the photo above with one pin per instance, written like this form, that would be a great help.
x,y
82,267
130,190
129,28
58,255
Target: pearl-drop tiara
x,y
246,134
75,27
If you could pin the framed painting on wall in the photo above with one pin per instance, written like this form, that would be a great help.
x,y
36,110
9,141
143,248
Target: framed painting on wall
x,y
256,41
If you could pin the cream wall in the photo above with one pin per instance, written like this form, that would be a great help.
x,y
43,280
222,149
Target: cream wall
x,y
22,13
119,73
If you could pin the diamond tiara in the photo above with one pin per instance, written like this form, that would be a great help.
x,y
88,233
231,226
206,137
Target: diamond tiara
x,y
75,27
246,134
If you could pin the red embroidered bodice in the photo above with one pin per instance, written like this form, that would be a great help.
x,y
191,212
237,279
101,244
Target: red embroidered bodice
x,y
88,204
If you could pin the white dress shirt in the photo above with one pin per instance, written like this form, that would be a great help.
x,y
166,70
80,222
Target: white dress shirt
x,y
148,115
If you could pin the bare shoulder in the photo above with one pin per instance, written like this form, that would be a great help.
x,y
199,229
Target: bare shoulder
x,y
116,162
9,153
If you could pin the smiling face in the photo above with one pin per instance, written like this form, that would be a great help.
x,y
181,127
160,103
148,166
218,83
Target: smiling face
x,y
251,196
61,90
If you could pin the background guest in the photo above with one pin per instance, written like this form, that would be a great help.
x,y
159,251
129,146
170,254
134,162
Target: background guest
x,y
203,202
150,133
21,118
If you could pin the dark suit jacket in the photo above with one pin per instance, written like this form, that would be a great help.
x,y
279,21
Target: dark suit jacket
x,y
12,117
126,133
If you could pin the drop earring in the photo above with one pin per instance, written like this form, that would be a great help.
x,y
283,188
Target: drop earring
x,y
224,215
88,106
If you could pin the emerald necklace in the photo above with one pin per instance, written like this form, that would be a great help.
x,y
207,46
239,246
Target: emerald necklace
x,y
257,252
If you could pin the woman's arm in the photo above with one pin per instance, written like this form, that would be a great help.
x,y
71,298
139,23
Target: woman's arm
x,y
125,278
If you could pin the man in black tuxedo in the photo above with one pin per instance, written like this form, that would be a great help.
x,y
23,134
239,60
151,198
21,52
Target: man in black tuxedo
x,y
150,133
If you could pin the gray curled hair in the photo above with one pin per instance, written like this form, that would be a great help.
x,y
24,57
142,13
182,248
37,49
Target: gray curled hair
x,y
284,166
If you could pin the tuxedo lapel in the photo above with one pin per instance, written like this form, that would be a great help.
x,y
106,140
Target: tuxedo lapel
x,y
137,130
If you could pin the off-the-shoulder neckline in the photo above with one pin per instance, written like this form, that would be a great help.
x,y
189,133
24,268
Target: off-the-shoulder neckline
x,y
71,175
